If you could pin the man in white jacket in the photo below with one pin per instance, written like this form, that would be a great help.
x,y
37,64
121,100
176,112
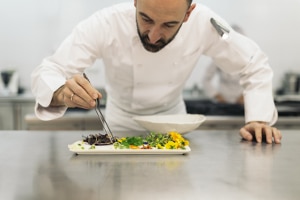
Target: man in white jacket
x,y
149,48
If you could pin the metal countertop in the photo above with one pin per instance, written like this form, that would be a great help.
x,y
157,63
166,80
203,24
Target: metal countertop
x,y
91,121
37,165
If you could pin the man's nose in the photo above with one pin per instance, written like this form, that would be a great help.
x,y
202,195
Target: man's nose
x,y
154,35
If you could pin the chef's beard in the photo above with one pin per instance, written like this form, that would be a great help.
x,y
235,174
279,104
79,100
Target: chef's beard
x,y
159,45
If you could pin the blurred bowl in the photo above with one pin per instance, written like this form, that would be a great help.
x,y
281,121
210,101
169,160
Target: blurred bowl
x,y
181,123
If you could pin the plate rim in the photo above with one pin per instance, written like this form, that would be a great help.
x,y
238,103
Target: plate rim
x,y
108,149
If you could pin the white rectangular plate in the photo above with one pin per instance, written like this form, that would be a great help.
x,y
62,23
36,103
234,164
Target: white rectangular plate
x,y
109,149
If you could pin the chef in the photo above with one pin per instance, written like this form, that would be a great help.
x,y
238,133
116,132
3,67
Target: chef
x,y
149,49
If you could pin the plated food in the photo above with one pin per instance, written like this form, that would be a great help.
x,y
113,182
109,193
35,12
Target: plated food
x,y
172,140
99,139
153,143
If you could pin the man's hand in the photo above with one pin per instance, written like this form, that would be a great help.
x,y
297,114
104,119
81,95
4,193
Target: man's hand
x,y
260,131
219,98
76,92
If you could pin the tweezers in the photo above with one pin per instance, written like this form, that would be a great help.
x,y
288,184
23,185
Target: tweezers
x,y
101,117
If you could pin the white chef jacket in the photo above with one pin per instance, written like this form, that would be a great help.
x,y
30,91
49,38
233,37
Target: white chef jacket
x,y
139,82
226,85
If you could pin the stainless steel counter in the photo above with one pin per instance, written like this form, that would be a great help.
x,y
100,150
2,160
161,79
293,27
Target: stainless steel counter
x,y
25,97
89,121
37,165
13,109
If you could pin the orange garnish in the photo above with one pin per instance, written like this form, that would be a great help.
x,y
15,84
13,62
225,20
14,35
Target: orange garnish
x,y
133,147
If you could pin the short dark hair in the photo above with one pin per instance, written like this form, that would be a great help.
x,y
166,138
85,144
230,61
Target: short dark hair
x,y
189,2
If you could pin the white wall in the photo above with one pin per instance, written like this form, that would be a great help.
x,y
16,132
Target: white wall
x,y
32,29
273,24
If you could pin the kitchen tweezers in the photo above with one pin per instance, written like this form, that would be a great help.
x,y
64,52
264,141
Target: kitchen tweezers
x,y
101,117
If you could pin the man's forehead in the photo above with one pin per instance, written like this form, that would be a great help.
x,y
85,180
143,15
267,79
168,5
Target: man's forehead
x,y
187,2
162,9
166,5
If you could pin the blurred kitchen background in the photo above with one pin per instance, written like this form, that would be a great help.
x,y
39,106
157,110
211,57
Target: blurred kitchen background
x,y
33,29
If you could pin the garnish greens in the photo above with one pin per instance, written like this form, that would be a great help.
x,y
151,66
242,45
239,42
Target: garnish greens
x,y
171,140
128,142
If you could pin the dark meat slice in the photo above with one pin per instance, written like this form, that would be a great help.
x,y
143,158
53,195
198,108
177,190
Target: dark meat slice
x,y
98,139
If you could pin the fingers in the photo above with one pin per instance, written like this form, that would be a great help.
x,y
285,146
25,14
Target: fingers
x,y
277,135
68,97
79,92
271,134
86,85
246,135
260,131
268,134
72,95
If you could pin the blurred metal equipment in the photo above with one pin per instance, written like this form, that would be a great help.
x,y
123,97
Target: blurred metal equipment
x,y
291,83
9,82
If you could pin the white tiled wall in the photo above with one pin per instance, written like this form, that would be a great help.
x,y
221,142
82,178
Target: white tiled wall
x,y
32,29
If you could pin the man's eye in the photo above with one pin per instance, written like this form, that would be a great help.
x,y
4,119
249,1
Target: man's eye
x,y
170,25
147,20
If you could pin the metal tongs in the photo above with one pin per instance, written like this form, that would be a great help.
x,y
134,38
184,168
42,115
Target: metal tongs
x,y
101,117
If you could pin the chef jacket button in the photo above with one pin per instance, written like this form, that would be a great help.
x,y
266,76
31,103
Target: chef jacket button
x,y
175,63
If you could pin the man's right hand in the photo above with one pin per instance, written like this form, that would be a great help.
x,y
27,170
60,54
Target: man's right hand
x,y
76,92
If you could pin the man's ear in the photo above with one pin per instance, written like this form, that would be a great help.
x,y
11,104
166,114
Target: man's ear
x,y
134,3
189,11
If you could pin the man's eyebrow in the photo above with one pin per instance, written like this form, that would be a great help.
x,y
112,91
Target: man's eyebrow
x,y
170,22
144,15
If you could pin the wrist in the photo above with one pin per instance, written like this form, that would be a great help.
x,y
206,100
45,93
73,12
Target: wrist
x,y
58,97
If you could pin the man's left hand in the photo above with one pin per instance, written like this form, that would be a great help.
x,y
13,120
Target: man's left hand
x,y
260,131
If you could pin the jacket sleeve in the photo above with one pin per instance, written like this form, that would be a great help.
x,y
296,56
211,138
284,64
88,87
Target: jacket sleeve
x,y
210,74
239,55
75,54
